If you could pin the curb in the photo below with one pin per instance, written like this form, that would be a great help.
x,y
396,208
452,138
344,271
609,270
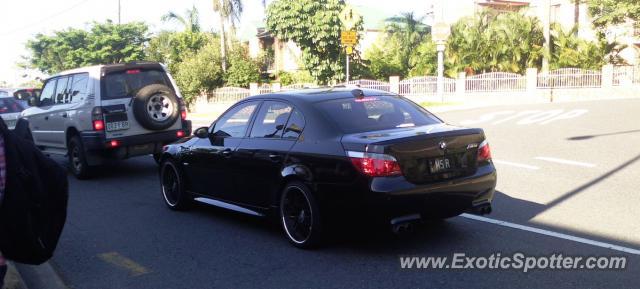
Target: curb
x,y
13,279
40,277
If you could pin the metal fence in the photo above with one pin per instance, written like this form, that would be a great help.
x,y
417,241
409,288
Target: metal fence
x,y
371,84
496,81
230,94
298,86
425,85
570,78
626,75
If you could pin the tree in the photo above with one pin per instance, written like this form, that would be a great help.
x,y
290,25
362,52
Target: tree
x,y
606,13
171,47
242,70
229,12
190,20
315,27
104,43
200,71
568,50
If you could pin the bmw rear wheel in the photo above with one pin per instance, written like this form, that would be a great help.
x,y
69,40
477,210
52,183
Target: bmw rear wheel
x,y
300,215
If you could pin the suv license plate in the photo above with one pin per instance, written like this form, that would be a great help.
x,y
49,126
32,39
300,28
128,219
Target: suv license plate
x,y
439,165
117,125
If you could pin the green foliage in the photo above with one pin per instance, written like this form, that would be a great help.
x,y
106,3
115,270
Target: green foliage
x,y
104,43
288,78
315,27
509,42
243,70
190,21
611,12
384,59
170,47
199,72
424,61
567,50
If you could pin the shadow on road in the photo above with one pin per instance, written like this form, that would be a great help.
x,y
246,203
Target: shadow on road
x,y
586,137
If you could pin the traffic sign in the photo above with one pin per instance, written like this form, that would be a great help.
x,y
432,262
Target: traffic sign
x,y
349,50
349,37
349,17
440,32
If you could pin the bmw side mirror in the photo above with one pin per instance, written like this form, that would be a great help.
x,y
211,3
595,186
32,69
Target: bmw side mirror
x,y
202,132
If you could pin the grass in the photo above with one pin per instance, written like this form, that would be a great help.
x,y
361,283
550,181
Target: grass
x,y
434,104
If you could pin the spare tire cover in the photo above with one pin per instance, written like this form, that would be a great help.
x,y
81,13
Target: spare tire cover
x,y
155,107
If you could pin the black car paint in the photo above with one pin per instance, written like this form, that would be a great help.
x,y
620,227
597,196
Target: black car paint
x,y
251,172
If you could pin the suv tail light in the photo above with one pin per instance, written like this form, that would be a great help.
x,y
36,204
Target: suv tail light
x,y
375,165
183,109
97,119
484,152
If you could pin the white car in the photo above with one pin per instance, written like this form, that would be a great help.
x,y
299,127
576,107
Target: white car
x,y
114,111
10,109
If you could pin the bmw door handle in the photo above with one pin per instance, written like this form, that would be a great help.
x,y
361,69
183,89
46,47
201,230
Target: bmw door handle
x,y
275,157
226,153
46,117
64,114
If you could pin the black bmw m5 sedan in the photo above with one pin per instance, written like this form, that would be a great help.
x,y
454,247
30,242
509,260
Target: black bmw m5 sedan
x,y
305,155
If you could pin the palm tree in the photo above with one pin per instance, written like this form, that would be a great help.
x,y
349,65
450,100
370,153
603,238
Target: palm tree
x,y
410,31
229,12
190,20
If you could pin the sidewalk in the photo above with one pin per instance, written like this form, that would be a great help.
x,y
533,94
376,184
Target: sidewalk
x,y
13,279
20,276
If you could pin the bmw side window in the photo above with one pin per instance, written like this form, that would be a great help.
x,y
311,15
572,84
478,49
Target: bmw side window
x,y
46,97
271,120
61,90
235,122
78,88
294,126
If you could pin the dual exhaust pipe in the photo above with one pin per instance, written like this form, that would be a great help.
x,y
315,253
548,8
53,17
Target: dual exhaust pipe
x,y
405,224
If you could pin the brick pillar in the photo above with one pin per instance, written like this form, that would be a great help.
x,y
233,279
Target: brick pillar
x,y
394,84
607,76
461,83
253,89
532,79
275,87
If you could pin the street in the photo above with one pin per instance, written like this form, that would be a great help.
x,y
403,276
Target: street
x,y
568,173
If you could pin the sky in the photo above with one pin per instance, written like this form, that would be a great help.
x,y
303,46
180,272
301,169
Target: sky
x,y
21,20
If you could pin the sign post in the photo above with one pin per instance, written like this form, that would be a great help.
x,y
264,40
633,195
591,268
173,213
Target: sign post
x,y
349,36
440,34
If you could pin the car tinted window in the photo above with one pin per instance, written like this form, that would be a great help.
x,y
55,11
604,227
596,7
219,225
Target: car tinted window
x,y
271,120
127,83
78,88
25,94
46,98
234,123
61,90
295,125
9,105
354,115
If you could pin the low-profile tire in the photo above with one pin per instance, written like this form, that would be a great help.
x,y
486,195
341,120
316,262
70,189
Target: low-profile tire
x,y
172,186
156,107
78,159
300,216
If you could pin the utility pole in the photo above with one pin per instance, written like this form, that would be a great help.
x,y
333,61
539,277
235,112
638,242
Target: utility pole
x,y
119,12
546,23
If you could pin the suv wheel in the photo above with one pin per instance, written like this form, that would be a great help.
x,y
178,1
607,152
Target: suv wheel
x,y
156,107
77,159
300,216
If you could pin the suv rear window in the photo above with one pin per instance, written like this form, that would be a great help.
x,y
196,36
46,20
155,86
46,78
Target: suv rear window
x,y
354,115
10,105
127,83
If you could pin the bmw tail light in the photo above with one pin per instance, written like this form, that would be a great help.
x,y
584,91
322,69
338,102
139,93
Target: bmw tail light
x,y
375,165
97,119
484,152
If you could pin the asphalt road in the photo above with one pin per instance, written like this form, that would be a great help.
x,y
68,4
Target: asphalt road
x,y
569,169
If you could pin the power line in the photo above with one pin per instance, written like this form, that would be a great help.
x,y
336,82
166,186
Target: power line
x,y
46,19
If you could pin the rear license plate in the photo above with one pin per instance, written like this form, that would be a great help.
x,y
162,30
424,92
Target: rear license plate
x,y
117,125
439,165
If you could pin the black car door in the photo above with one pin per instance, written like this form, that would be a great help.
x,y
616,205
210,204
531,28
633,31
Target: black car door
x,y
261,156
210,163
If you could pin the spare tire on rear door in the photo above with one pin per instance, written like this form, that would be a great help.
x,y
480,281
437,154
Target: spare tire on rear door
x,y
155,107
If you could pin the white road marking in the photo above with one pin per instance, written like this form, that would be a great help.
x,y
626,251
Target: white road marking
x,y
553,234
517,165
566,162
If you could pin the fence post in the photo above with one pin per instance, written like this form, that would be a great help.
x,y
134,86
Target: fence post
x,y
253,89
275,87
461,84
532,80
607,76
394,84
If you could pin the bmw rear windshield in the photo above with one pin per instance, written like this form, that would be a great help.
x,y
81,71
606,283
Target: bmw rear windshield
x,y
356,115
127,83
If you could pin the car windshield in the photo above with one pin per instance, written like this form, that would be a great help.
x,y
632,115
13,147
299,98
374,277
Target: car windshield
x,y
9,105
354,115
127,83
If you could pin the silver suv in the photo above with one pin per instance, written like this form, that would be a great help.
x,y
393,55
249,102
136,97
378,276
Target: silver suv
x,y
103,112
